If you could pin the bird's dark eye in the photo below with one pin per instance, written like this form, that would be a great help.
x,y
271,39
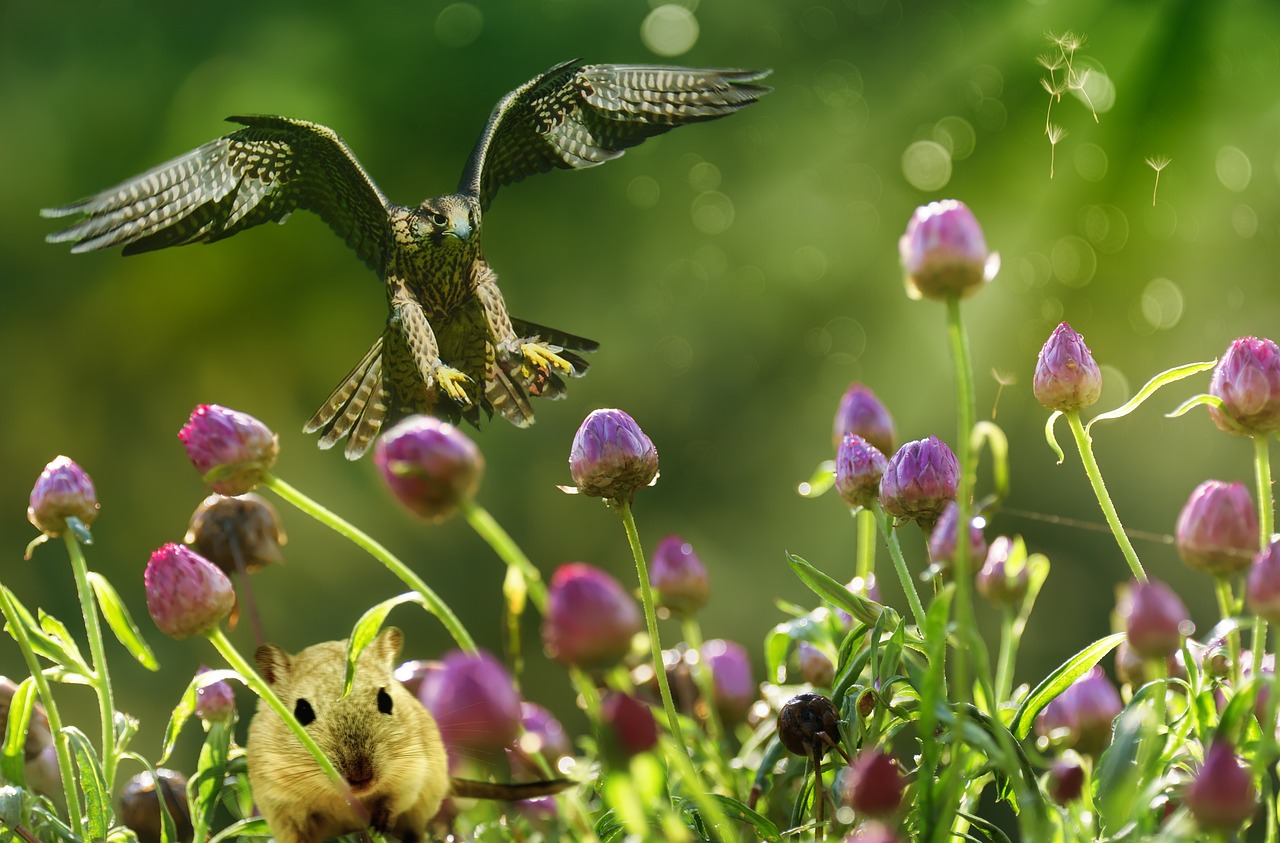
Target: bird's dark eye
x,y
304,712
384,701
439,220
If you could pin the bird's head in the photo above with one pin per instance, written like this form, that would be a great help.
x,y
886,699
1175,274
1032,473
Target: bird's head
x,y
450,218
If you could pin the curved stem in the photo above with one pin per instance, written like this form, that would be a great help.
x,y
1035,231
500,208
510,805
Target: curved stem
x,y
1085,446
866,545
61,745
362,540
506,548
1008,653
101,678
900,565
1262,473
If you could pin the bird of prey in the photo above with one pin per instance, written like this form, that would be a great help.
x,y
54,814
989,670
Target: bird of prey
x,y
449,347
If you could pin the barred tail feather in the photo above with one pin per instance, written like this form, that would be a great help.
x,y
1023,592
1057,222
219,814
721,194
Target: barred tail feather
x,y
357,407
507,399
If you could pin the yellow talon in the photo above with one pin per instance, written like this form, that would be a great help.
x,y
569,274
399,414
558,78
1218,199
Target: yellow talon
x,y
544,358
453,382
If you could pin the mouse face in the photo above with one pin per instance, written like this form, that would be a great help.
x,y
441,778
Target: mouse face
x,y
379,737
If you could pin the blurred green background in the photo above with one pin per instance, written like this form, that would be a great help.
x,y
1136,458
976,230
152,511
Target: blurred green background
x,y
739,276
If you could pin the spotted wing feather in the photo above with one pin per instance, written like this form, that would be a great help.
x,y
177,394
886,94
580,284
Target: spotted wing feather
x,y
261,173
577,115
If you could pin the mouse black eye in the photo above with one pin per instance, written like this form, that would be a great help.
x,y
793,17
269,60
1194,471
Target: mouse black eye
x,y
304,712
439,220
384,701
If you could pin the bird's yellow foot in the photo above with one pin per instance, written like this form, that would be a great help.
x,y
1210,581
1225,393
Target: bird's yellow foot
x,y
453,382
541,356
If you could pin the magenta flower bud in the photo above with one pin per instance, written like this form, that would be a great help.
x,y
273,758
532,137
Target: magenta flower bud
x,y
1217,530
475,704
1263,589
861,412
678,576
248,525
543,736
629,726
734,687
233,451
591,618
944,253
919,481
416,674
1222,795
1065,781
859,469
945,536
186,593
1247,379
429,465
1067,378
62,491
999,583
815,667
611,457
1153,617
872,832
216,701
139,807
873,785
1091,704
1055,722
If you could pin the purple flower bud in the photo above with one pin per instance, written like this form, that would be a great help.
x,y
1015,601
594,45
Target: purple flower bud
x,y
1065,781
62,491
233,451
862,413
734,688
475,704
944,539
590,618
429,465
140,804
1091,704
1263,589
416,674
629,727
248,525
815,667
919,481
872,832
611,457
1217,530
678,576
1153,616
1222,795
186,593
944,253
1067,378
873,784
997,581
859,469
216,701
543,736
1247,379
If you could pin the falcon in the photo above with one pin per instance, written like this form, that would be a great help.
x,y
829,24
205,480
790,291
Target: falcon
x,y
449,346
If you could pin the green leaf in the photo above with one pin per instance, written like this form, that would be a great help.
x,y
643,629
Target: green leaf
x,y
735,810
41,642
833,592
206,785
824,477
187,706
120,621
97,798
1051,438
1203,400
1117,778
1058,681
367,629
56,632
1165,378
12,756
251,827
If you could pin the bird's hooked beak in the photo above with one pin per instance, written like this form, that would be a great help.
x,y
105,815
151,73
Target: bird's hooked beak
x,y
459,225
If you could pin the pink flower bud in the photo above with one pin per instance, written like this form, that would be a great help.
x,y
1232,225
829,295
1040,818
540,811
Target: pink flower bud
x,y
1065,781
429,465
733,685
997,581
919,481
859,469
873,784
944,253
1154,618
629,726
611,456
1263,588
63,490
815,667
1217,530
678,576
1067,378
861,413
1222,795
186,593
475,704
1247,379
590,618
233,451
944,539
216,701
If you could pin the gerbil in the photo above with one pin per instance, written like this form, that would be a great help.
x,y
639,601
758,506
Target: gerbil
x,y
379,737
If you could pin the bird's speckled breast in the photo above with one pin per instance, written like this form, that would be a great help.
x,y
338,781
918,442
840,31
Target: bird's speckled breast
x,y
438,271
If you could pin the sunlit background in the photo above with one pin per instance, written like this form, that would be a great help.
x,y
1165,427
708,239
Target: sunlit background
x,y
738,274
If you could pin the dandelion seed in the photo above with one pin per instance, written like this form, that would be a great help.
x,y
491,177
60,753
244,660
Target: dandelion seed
x,y
1055,133
1002,380
1079,85
1157,163
1049,62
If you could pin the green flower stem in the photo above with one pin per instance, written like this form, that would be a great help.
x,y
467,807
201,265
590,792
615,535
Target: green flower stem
x,y
590,696
651,620
965,403
331,520
701,796
260,687
1227,608
101,678
508,551
900,564
1008,653
61,744
1085,446
866,545
1266,503
702,676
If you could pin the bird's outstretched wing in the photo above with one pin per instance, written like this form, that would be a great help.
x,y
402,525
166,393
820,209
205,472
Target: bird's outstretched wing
x,y
258,174
577,115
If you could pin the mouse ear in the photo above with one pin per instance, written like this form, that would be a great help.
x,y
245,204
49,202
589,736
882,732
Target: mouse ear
x,y
273,663
389,643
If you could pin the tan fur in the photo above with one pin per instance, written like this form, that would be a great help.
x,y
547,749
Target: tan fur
x,y
396,761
